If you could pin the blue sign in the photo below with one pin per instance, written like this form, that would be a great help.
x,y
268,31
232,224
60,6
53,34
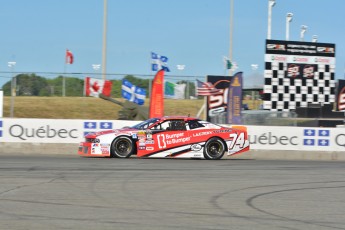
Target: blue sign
x,y
90,125
93,126
86,133
309,142
324,133
106,125
323,142
0,128
313,137
309,132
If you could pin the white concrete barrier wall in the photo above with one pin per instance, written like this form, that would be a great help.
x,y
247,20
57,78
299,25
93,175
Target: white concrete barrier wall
x,y
35,132
1,102
53,130
296,138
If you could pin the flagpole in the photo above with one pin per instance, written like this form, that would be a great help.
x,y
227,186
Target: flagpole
x,y
104,51
150,60
63,80
84,89
231,31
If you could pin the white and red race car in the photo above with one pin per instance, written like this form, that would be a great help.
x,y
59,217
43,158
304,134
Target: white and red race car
x,y
168,137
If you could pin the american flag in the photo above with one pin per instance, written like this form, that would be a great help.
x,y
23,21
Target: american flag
x,y
206,89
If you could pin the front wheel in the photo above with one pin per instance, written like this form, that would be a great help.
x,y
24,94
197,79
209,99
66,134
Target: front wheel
x,y
122,147
214,149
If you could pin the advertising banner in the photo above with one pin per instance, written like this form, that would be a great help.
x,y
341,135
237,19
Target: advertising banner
x,y
298,74
157,96
300,48
300,70
53,130
341,96
296,138
235,99
1,103
260,137
216,105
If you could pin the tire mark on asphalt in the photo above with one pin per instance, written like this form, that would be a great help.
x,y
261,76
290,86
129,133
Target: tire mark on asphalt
x,y
28,185
250,201
215,203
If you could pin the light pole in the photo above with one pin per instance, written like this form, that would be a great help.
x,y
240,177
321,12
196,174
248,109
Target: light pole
x,y
288,20
96,67
314,39
181,68
271,3
254,67
11,64
303,30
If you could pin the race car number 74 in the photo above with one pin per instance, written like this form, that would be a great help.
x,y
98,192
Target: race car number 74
x,y
237,140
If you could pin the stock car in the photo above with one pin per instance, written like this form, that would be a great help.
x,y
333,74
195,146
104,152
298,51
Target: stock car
x,y
167,137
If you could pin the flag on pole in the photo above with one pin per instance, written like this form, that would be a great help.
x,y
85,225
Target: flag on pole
x,y
133,93
206,89
227,63
94,87
159,62
157,94
69,57
174,91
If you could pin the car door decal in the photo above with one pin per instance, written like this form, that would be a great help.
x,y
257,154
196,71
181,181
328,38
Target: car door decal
x,y
161,141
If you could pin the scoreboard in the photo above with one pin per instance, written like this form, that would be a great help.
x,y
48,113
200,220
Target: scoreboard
x,y
298,73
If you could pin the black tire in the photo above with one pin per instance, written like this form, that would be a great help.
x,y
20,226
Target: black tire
x,y
122,147
214,149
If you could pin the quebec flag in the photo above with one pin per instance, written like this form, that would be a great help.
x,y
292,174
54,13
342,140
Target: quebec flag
x,y
133,93
314,137
159,62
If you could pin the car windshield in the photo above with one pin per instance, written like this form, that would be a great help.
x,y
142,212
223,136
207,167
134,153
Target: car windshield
x,y
145,124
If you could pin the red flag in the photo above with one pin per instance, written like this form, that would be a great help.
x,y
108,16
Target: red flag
x,y
69,57
94,87
157,95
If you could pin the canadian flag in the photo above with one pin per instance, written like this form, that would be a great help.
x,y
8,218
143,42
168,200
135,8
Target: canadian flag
x,y
94,87
69,57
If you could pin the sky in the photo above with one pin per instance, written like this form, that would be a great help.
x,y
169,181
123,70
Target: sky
x,y
195,33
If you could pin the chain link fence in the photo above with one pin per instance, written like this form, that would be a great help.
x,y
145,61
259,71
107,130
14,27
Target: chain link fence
x,y
72,84
261,117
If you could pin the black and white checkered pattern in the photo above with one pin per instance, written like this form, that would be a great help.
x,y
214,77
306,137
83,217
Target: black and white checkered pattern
x,y
283,93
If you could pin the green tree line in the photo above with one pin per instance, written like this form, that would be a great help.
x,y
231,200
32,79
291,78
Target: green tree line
x,y
34,85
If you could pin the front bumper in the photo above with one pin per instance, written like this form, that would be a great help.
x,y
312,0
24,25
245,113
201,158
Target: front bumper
x,y
92,150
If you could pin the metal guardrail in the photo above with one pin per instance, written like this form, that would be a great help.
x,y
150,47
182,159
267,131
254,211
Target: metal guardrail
x,y
269,118
262,117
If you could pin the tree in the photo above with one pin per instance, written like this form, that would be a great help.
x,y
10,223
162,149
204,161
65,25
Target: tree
x,y
27,85
33,85
73,86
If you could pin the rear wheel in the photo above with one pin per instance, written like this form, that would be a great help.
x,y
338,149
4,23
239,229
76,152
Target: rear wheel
x,y
214,149
122,147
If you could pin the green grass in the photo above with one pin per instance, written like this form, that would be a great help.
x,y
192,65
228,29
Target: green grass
x,y
91,107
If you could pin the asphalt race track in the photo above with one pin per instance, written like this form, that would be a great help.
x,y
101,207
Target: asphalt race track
x,y
71,192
